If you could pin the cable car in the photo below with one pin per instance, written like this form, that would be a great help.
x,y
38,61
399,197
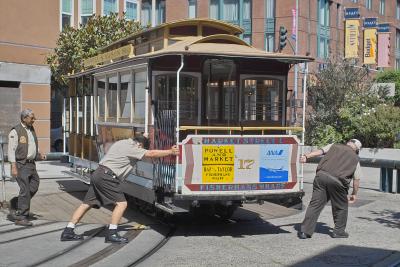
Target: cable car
x,y
196,84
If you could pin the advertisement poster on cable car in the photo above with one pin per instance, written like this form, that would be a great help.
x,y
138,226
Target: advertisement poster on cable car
x,y
239,163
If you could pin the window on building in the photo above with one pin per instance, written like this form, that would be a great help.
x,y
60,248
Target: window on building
x,y
66,13
130,9
382,7
110,6
323,33
247,9
192,12
145,15
247,38
398,10
368,4
233,11
354,1
269,25
87,10
160,12
214,9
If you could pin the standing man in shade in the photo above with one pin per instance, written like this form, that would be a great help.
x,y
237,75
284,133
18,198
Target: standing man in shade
x,y
339,166
106,184
22,153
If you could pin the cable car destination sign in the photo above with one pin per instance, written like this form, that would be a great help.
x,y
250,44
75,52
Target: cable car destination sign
x,y
239,163
124,51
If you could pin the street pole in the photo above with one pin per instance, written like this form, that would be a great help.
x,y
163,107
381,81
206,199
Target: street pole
x,y
296,67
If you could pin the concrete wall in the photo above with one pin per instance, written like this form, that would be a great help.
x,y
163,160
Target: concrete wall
x,y
33,93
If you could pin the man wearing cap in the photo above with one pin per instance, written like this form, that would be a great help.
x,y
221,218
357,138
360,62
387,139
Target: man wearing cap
x,y
106,181
22,154
335,171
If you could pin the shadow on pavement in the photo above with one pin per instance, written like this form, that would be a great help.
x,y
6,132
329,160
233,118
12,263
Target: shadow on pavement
x,y
349,256
388,218
244,222
78,189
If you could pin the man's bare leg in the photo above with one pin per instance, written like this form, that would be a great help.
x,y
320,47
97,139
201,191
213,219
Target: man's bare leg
x,y
113,236
118,211
68,234
79,212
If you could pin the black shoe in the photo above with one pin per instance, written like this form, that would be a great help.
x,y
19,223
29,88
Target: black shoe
x,y
23,222
340,234
12,216
304,235
113,237
69,235
13,204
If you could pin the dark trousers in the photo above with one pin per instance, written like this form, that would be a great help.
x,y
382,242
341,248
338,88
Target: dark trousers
x,y
326,188
28,181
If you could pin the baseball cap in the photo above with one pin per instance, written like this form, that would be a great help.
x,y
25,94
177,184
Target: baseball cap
x,y
357,143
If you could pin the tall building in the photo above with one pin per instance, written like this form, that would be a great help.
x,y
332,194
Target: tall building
x,y
29,30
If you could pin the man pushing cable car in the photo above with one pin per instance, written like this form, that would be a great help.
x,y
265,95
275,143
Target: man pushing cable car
x,y
106,184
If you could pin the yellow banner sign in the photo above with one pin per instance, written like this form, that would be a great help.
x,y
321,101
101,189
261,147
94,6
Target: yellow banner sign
x,y
370,46
124,51
218,164
351,38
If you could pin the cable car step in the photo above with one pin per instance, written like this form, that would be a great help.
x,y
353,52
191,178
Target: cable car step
x,y
170,208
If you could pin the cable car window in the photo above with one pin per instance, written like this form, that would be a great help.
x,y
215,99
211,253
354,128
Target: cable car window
x,y
74,113
80,98
221,92
139,96
87,90
262,100
126,95
66,115
112,98
189,98
166,96
101,93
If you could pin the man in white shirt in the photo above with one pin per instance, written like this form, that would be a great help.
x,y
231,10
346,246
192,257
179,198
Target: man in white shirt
x,y
105,184
22,153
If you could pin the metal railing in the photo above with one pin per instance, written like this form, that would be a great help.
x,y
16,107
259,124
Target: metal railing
x,y
389,172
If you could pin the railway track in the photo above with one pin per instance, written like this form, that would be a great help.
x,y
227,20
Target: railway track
x,y
90,251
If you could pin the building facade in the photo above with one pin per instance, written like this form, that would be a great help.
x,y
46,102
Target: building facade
x,y
29,30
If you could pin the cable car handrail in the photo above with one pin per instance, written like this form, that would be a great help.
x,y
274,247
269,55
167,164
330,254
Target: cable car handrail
x,y
240,128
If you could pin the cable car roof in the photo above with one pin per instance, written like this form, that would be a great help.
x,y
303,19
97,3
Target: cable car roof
x,y
223,45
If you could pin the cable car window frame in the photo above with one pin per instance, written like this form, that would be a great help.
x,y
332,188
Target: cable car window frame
x,y
195,75
283,91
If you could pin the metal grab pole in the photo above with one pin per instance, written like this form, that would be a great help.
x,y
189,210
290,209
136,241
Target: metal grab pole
x,y
303,122
3,173
177,176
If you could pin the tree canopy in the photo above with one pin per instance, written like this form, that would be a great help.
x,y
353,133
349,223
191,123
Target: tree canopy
x,y
391,76
344,105
75,45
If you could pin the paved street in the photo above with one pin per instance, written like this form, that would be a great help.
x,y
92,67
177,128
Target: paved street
x,y
256,236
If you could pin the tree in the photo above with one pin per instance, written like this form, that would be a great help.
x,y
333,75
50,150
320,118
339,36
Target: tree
x,y
343,105
391,76
75,45
326,94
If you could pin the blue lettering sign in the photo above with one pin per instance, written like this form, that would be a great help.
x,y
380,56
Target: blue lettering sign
x,y
351,13
370,22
